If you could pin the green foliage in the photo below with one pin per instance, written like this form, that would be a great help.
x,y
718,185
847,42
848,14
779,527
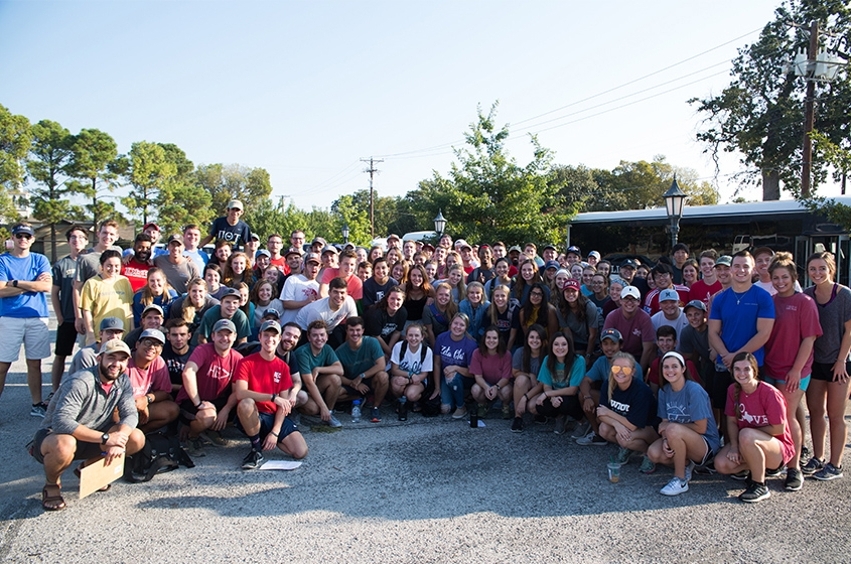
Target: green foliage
x,y
249,185
840,159
346,212
149,171
487,196
95,164
15,135
761,112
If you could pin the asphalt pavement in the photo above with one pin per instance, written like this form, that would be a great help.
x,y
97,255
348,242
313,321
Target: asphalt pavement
x,y
427,490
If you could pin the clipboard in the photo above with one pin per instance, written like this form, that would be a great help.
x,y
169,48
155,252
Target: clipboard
x,y
95,476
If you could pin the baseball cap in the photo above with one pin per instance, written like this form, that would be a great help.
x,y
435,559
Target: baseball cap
x,y
696,303
572,284
318,240
230,292
270,324
293,251
724,260
594,254
174,237
312,257
462,244
272,312
255,236
153,334
235,204
330,249
668,294
550,246
574,249
612,334
113,323
261,253
515,249
630,291
552,264
151,224
394,236
224,324
114,346
26,229
154,307
629,263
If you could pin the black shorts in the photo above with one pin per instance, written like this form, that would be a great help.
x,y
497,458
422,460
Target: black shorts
x,y
66,336
266,421
84,450
188,411
718,389
350,391
823,371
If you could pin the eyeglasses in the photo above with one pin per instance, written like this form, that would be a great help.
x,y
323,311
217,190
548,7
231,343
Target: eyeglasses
x,y
23,236
539,294
625,370
152,343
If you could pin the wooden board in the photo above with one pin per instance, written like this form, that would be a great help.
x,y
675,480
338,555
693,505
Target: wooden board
x,y
95,476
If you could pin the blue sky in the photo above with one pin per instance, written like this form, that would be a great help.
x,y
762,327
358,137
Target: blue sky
x,y
306,89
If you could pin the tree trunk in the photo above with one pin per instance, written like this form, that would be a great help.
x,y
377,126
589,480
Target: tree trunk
x,y
770,185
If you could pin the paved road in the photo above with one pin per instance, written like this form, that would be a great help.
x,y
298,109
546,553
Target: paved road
x,y
425,491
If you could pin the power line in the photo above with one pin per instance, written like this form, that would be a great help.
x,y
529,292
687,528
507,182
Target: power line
x,y
371,170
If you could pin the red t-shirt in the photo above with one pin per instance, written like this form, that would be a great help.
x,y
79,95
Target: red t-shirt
x,y
214,374
702,291
796,318
635,331
355,284
136,272
265,377
153,379
764,407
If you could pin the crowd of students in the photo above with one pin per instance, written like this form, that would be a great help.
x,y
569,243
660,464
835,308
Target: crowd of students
x,y
700,365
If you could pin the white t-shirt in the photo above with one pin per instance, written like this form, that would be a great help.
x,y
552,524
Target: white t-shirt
x,y
321,310
411,362
297,288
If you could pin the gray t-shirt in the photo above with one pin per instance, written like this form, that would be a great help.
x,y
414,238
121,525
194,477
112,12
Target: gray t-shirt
x,y
88,265
177,274
64,274
85,358
832,317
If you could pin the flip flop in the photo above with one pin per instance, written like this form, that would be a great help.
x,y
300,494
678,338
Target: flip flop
x,y
51,497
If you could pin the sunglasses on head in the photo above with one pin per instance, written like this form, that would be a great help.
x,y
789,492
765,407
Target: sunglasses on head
x,y
625,370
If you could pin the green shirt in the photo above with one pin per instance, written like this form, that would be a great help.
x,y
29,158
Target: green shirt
x,y
357,361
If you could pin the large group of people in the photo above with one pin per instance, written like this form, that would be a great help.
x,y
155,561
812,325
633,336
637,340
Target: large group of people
x,y
703,365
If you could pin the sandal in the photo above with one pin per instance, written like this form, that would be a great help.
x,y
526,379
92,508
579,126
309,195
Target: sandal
x,y
51,497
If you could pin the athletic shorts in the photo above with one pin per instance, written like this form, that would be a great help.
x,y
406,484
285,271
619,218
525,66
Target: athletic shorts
x,y
823,371
31,331
267,420
777,383
188,411
66,336
84,450
706,457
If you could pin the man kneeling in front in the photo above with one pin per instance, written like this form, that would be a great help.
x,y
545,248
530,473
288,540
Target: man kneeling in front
x,y
79,422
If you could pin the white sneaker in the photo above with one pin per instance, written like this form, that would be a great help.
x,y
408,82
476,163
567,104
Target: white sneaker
x,y
689,470
675,487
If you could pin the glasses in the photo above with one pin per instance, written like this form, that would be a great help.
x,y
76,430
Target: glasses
x,y
625,370
152,343
23,236
539,294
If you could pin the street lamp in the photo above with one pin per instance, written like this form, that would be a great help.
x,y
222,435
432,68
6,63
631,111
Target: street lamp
x,y
439,223
675,200
346,232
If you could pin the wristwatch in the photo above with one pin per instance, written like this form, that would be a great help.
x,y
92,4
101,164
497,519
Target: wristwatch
x,y
104,438
14,283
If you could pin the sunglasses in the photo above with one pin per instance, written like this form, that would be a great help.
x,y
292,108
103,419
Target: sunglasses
x,y
23,236
625,370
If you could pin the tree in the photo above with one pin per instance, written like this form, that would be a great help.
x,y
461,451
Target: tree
x,y
15,135
51,154
346,212
95,163
249,185
148,172
760,113
487,196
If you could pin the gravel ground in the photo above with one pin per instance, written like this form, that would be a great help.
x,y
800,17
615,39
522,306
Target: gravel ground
x,y
428,490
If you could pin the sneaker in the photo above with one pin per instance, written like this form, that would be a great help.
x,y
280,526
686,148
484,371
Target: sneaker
x,y
689,471
482,410
560,423
195,447
334,422
403,411
805,453
648,466
829,472
517,425
755,492
376,416
591,438
581,430
506,412
774,472
794,480
675,487
743,476
624,454
38,410
216,438
460,413
812,466
253,460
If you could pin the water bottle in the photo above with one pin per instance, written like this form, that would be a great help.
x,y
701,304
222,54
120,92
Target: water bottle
x,y
403,408
356,411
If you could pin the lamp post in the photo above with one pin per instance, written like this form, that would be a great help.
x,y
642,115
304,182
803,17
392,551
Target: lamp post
x,y
346,232
675,200
439,223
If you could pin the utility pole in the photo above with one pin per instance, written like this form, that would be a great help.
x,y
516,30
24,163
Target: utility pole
x,y
371,170
809,114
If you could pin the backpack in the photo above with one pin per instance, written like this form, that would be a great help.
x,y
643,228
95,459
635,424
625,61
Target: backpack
x,y
161,453
429,407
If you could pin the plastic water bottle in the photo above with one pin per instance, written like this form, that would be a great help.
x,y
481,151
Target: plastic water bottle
x,y
355,411
403,408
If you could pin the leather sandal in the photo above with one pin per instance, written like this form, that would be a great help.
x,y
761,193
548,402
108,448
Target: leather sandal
x,y
51,497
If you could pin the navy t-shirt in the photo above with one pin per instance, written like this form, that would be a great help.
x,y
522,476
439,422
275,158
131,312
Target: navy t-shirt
x,y
237,234
636,403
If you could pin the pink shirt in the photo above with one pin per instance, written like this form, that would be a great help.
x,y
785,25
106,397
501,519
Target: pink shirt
x,y
355,285
765,406
796,318
153,379
492,367
214,372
